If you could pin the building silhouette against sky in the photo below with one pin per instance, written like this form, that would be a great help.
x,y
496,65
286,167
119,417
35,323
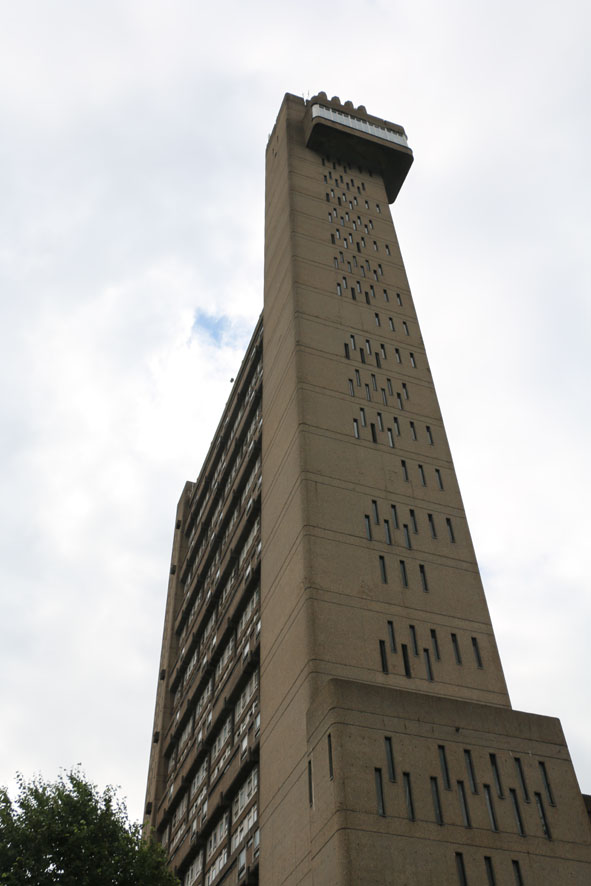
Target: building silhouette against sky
x,y
331,707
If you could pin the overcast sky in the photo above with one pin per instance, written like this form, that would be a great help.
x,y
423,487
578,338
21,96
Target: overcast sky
x,y
132,138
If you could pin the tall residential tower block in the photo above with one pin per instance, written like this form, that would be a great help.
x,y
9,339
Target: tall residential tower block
x,y
331,708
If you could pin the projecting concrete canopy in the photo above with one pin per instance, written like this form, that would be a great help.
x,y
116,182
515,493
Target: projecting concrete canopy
x,y
358,138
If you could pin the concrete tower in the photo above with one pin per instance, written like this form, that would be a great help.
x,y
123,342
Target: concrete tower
x,y
332,708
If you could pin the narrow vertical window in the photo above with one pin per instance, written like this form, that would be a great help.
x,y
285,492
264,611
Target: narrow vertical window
x,y
423,577
339,289
477,655
397,354
399,299
379,792
422,476
517,872
496,774
367,393
389,384
383,657
413,362
413,432
428,668
390,439
377,319
394,512
357,378
352,339
347,354
367,527
490,873
387,532
405,327
329,748
368,346
406,536
410,809
375,511
388,250
546,783
436,800
462,879
406,660
435,644
380,421
456,648
351,387
431,521
374,436
517,812
390,758
374,381
396,424
310,786
404,470
386,296
470,770
383,570
391,636
521,776
439,478
490,807
356,428
542,814
464,805
399,400
450,530
362,356
362,416
384,398
391,325
383,351
403,574
413,639
405,391
413,520
444,767
429,435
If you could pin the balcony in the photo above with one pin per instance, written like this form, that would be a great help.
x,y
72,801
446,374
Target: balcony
x,y
368,142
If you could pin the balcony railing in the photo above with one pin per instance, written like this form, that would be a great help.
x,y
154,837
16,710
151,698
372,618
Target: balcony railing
x,y
361,125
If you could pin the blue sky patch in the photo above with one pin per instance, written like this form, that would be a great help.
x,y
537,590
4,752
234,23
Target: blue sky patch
x,y
214,328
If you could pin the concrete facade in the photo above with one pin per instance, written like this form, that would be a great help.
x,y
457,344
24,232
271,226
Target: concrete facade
x,y
331,706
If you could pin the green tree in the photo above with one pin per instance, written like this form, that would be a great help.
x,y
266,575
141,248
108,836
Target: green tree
x,y
66,832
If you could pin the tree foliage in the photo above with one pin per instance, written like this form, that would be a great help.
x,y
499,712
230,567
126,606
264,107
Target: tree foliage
x,y
66,832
